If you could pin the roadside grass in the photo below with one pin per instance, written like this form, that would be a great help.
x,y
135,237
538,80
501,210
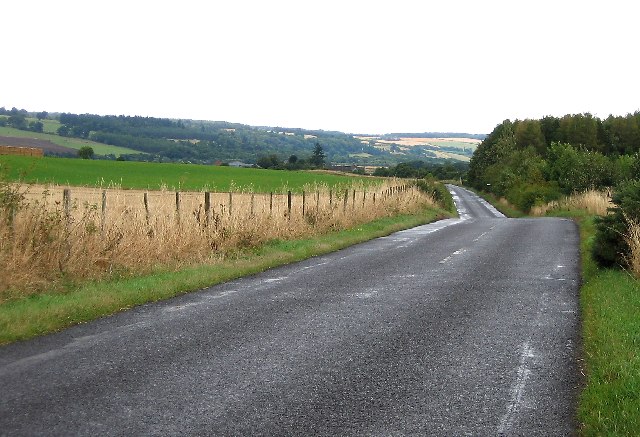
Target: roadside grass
x,y
610,303
609,404
155,176
73,143
46,313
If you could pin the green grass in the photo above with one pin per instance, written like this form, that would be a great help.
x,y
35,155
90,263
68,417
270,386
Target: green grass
x,y
153,176
73,143
610,303
41,314
48,126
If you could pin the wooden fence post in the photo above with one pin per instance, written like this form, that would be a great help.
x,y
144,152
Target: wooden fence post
x,y
103,215
330,198
230,202
353,202
207,207
374,198
317,201
66,204
178,206
304,202
146,206
289,204
364,198
270,202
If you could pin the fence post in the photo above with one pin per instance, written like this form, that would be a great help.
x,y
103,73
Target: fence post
x,y
66,203
353,202
364,198
270,202
289,204
103,215
330,199
207,207
317,201
374,198
146,206
230,202
178,206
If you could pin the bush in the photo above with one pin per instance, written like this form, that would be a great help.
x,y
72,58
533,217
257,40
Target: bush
x,y
438,192
610,247
526,196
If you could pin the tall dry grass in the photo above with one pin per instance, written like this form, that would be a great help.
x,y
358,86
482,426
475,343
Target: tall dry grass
x,y
45,243
633,240
592,201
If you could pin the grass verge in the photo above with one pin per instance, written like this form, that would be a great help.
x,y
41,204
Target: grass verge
x,y
46,313
610,304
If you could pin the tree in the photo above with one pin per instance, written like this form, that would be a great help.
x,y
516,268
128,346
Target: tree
x,y
529,134
42,115
293,159
85,152
36,126
318,157
17,121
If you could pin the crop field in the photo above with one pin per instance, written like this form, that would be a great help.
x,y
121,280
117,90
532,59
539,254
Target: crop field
x,y
155,176
71,143
51,235
459,149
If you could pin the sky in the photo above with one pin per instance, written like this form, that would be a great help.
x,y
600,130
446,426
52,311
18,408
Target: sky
x,y
348,65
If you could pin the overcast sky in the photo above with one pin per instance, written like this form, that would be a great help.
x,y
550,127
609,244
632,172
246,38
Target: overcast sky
x,y
348,65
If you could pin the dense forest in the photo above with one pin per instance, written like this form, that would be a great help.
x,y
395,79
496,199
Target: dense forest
x,y
532,162
207,142
535,161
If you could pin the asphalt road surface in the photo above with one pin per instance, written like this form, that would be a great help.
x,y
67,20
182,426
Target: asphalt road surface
x,y
462,327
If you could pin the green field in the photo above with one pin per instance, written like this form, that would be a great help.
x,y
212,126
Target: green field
x,y
73,143
48,126
154,176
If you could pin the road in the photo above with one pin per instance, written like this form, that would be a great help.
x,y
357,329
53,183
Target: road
x,y
461,327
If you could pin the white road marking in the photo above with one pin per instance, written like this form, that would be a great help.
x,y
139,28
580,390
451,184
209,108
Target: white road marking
x,y
180,307
224,293
517,390
481,235
457,252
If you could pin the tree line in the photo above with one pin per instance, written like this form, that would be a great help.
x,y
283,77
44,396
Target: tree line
x,y
533,162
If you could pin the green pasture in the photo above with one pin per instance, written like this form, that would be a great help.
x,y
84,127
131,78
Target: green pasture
x,y
154,176
48,126
73,143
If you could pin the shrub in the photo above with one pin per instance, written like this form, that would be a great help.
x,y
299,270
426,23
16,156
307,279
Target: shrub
x,y
438,192
610,247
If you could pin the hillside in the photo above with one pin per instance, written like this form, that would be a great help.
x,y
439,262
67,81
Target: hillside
x,y
207,142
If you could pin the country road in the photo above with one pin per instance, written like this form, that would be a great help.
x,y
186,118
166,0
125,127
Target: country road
x,y
465,326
